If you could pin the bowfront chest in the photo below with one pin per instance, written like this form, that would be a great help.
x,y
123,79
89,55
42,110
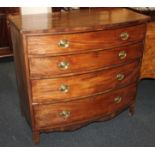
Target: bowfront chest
x,y
78,67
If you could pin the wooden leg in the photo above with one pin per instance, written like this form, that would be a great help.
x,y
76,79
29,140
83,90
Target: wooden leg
x,y
36,137
131,110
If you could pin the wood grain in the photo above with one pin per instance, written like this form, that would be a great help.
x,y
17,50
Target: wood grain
x,y
77,21
148,61
47,116
84,41
47,90
21,74
47,67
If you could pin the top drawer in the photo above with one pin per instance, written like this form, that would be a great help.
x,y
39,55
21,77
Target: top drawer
x,y
74,43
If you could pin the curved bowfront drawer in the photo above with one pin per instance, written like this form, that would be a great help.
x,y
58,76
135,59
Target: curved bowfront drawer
x,y
63,114
41,67
66,88
75,43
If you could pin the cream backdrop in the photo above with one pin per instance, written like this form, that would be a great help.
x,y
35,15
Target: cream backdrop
x,y
35,10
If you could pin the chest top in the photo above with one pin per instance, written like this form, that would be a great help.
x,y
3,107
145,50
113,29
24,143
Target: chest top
x,y
77,21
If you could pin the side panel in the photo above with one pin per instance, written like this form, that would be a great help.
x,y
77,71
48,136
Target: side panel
x,y
22,73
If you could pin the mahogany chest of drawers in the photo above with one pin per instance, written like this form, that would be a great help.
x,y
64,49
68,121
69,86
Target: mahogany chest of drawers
x,y
78,67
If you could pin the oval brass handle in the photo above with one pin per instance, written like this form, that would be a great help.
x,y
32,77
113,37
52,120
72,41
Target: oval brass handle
x,y
120,76
64,88
122,55
63,65
118,99
124,36
64,114
63,43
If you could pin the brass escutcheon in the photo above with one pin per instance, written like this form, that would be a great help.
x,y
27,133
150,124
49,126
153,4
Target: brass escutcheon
x,y
120,76
118,99
63,43
63,65
124,36
64,114
122,55
64,88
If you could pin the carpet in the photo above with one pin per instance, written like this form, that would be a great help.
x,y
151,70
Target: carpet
x,y
123,130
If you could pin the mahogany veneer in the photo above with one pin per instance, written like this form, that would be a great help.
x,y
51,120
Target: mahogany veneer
x,y
84,41
39,66
148,63
80,110
90,83
78,67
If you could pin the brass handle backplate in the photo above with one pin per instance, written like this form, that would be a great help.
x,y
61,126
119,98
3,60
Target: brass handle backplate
x,y
118,99
124,36
63,65
64,88
63,43
122,55
64,114
120,76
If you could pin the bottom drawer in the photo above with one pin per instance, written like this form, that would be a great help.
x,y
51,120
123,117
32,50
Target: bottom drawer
x,y
63,114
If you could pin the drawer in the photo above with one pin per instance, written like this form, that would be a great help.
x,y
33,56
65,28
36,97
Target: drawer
x,y
60,65
75,43
71,87
63,114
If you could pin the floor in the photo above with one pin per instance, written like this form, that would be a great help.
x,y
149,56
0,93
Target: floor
x,y
123,130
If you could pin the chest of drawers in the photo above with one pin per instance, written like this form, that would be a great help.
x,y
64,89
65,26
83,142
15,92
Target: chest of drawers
x,y
76,68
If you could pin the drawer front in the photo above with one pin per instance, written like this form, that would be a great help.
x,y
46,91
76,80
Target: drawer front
x,y
66,88
59,65
62,114
74,43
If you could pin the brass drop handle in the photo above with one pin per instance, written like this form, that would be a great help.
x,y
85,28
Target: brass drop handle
x,y
63,65
120,76
64,88
124,36
64,114
118,99
122,55
63,43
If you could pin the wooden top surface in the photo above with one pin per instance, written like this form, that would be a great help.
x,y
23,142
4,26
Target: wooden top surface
x,y
77,20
